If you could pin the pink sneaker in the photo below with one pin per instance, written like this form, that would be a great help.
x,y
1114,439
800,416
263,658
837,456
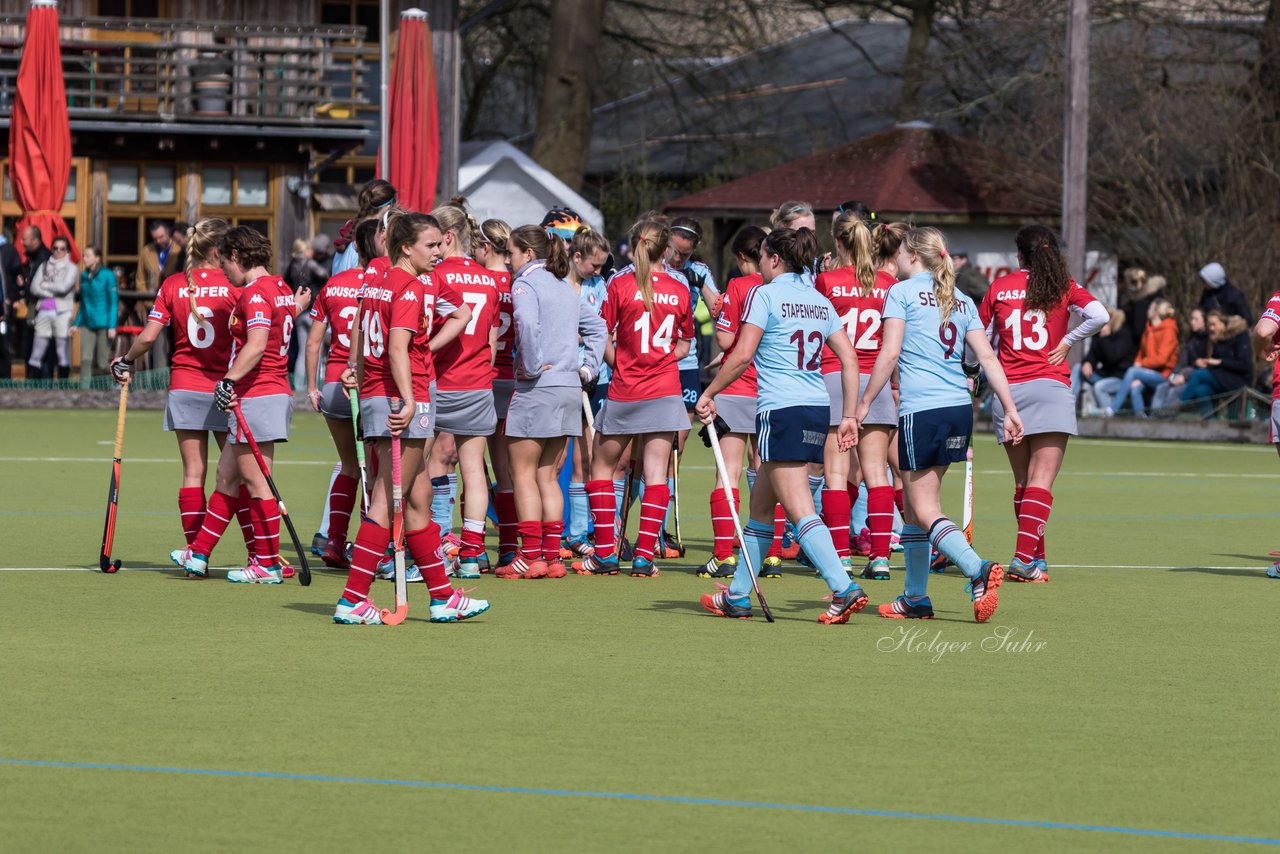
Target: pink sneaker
x,y
861,544
255,573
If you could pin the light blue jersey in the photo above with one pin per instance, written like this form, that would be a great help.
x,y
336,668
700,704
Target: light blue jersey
x,y
592,293
930,368
696,275
797,321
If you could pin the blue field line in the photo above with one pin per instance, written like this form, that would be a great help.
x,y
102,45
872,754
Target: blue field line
x,y
662,799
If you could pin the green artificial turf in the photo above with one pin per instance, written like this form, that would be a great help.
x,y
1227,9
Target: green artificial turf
x,y
1135,697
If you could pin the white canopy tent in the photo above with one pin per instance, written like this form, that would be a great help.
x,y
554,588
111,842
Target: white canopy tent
x,y
501,181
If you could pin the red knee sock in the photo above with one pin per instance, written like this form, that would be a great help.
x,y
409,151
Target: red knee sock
x,y
531,540
472,538
244,515
216,518
721,525
653,508
342,502
880,519
505,503
836,512
266,531
1032,516
551,533
1018,492
191,510
370,546
604,507
424,545
779,527
898,501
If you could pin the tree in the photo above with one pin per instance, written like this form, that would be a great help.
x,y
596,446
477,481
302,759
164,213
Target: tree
x,y
562,139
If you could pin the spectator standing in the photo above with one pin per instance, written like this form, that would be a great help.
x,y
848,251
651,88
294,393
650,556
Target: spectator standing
x,y
153,261
53,288
177,260
1139,293
1228,365
1111,353
1195,347
36,253
10,280
1221,295
969,279
99,313
309,268
1157,354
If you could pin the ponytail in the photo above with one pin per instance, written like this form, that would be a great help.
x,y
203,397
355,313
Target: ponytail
x,y
454,216
202,241
886,239
557,258
649,239
1047,276
929,245
533,238
796,247
853,247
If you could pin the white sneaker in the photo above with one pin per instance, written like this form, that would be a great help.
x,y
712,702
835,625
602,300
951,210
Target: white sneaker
x,y
386,568
459,607
411,573
197,566
255,573
468,567
179,556
362,613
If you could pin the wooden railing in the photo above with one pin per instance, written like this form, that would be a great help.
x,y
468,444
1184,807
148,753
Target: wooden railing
x,y
139,70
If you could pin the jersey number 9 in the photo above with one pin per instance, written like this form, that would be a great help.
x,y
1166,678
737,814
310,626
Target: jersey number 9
x,y
949,336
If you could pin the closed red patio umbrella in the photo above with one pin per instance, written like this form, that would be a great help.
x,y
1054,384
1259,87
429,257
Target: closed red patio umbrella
x,y
39,131
415,122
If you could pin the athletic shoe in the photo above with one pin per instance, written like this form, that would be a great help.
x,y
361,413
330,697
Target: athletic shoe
x,y
1273,571
362,613
844,605
523,568
721,605
861,544
450,545
197,566
286,569
459,606
412,574
790,552
335,555
715,568
504,559
556,569
468,567
386,568
903,608
772,568
847,563
1043,566
643,568
938,562
877,569
576,548
895,543
983,589
1027,573
597,564
671,547
255,573
319,543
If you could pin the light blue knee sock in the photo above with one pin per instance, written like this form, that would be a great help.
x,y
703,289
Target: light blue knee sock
x,y
751,478
950,541
758,537
671,504
579,511
815,539
859,520
915,548
815,489
441,504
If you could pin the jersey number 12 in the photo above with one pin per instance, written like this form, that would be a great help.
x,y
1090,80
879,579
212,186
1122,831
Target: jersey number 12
x,y
815,356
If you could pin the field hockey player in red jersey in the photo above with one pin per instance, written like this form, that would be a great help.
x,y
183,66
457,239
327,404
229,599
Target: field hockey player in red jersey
x,y
397,316
736,404
197,305
258,383
1026,314
465,409
334,311
650,316
546,408
1267,330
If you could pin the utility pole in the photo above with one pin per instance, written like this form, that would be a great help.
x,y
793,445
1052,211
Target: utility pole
x,y
446,43
1075,153
384,82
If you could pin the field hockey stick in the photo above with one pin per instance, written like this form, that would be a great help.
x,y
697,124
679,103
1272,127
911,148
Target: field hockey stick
x,y
396,617
590,416
304,570
354,397
624,546
721,470
968,493
113,491
675,493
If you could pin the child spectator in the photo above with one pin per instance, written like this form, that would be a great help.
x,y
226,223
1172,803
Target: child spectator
x,y
99,309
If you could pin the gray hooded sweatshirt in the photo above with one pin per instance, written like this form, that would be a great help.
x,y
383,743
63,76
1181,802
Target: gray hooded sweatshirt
x,y
549,322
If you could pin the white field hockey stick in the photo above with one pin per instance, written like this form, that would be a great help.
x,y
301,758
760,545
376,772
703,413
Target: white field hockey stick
x,y
590,416
396,617
968,494
737,526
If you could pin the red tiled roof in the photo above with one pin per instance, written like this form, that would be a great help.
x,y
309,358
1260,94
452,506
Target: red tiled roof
x,y
906,169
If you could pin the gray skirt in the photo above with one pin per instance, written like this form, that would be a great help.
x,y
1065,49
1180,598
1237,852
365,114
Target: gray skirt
x,y
835,392
374,412
466,413
268,417
1275,422
502,391
194,410
1045,406
334,403
883,411
637,417
545,412
738,411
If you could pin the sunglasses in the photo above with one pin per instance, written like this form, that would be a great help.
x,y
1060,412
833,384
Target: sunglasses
x,y
61,248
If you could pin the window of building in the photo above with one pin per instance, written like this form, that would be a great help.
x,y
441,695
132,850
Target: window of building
x,y
345,13
68,196
242,195
128,8
138,194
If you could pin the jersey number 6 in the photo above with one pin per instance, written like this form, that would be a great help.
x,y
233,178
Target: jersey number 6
x,y
815,357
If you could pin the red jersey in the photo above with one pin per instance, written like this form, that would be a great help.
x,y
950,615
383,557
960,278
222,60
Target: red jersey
x,y
442,301
644,347
730,321
201,345
1024,339
464,364
505,363
265,303
1271,311
398,301
860,315
336,305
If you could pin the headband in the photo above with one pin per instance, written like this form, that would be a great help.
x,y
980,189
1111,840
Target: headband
x,y
688,229
384,204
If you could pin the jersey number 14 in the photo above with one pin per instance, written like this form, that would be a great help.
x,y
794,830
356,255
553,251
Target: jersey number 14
x,y
661,338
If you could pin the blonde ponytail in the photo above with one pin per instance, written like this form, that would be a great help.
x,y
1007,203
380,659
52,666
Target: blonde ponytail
x,y
854,248
202,241
649,239
930,247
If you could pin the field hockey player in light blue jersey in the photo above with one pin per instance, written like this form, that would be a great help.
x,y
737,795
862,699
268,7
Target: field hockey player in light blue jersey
x,y
927,325
785,323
